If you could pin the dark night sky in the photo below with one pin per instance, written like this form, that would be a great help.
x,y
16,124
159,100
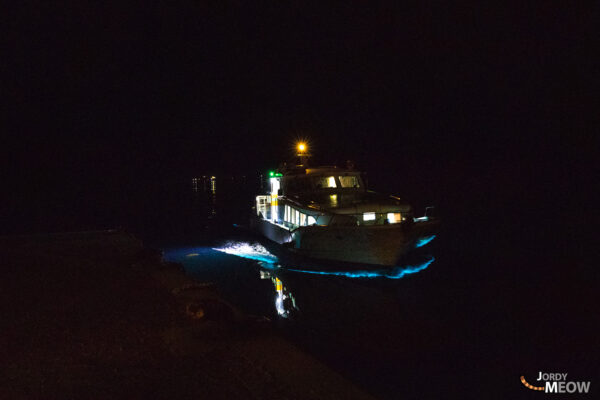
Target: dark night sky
x,y
454,93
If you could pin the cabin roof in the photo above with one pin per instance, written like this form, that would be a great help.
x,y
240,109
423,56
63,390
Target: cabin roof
x,y
327,169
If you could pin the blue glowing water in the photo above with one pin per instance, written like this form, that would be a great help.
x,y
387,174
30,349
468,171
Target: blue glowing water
x,y
327,308
392,273
423,241
243,270
255,251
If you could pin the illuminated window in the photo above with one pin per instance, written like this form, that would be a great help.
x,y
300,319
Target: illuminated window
x,y
349,181
326,182
311,220
369,216
394,217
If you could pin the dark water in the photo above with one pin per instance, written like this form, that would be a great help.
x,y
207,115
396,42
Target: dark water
x,y
496,296
467,319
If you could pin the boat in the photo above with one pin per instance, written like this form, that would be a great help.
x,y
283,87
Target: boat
x,y
327,213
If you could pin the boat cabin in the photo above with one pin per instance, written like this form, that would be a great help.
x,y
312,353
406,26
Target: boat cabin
x,y
326,196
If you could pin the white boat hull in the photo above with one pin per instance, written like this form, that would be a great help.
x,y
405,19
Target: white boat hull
x,y
382,245
378,244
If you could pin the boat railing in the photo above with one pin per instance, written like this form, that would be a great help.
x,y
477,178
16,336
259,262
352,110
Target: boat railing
x,y
263,206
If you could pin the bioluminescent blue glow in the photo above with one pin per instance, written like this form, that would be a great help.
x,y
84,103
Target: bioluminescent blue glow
x,y
184,254
253,251
393,273
424,240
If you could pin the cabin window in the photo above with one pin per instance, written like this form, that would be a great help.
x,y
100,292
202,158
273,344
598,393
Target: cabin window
x,y
349,181
394,218
326,182
370,216
295,217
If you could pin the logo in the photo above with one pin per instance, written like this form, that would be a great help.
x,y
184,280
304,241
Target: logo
x,y
553,382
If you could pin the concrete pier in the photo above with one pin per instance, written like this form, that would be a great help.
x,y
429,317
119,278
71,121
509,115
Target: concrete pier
x,y
95,315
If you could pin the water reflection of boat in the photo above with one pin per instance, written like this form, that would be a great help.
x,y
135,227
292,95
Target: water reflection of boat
x,y
285,303
327,213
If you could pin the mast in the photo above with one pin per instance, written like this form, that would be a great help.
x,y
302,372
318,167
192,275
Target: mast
x,y
303,154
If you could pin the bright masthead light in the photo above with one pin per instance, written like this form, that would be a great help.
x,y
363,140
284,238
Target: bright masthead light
x,y
301,147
